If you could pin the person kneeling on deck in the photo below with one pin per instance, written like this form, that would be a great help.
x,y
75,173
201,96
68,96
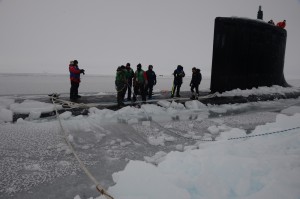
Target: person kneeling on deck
x,y
75,79
121,84
195,82
140,82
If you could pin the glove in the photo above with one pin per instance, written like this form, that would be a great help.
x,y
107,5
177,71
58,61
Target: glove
x,y
154,83
82,71
191,84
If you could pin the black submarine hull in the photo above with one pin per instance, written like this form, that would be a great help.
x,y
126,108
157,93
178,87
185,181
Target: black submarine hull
x,y
247,53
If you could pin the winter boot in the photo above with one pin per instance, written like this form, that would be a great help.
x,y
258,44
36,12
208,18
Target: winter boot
x,y
134,98
192,97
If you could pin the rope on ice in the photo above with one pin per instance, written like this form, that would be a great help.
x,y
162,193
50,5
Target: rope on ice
x,y
83,167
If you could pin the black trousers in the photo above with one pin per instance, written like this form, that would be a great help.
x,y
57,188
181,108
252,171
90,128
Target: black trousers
x,y
149,90
139,89
121,91
129,87
176,87
196,87
74,89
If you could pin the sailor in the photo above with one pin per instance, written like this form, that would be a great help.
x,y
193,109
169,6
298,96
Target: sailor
x,y
75,79
151,81
271,22
139,83
195,82
281,24
121,84
178,75
130,75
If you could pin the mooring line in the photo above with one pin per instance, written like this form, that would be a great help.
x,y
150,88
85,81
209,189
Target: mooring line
x,y
263,134
99,188
235,138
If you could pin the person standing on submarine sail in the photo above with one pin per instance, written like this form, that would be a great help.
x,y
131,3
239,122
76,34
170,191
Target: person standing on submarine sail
x,y
281,24
260,13
271,22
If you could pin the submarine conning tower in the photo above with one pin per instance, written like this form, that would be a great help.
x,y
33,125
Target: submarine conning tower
x,y
247,53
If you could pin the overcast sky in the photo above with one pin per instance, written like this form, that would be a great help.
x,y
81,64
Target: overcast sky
x,y
38,36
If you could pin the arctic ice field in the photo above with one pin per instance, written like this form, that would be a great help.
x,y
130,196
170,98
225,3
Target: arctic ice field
x,y
241,148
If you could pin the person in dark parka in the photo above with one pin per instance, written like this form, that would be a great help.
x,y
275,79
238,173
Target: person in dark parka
x,y
178,75
271,22
151,81
121,84
195,82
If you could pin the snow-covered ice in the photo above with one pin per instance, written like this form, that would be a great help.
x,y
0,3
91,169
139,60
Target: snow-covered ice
x,y
261,167
259,91
32,106
166,151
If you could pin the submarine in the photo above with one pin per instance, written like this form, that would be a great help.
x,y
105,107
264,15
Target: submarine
x,y
247,53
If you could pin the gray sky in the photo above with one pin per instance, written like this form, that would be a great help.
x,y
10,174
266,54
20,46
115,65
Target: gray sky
x,y
38,36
